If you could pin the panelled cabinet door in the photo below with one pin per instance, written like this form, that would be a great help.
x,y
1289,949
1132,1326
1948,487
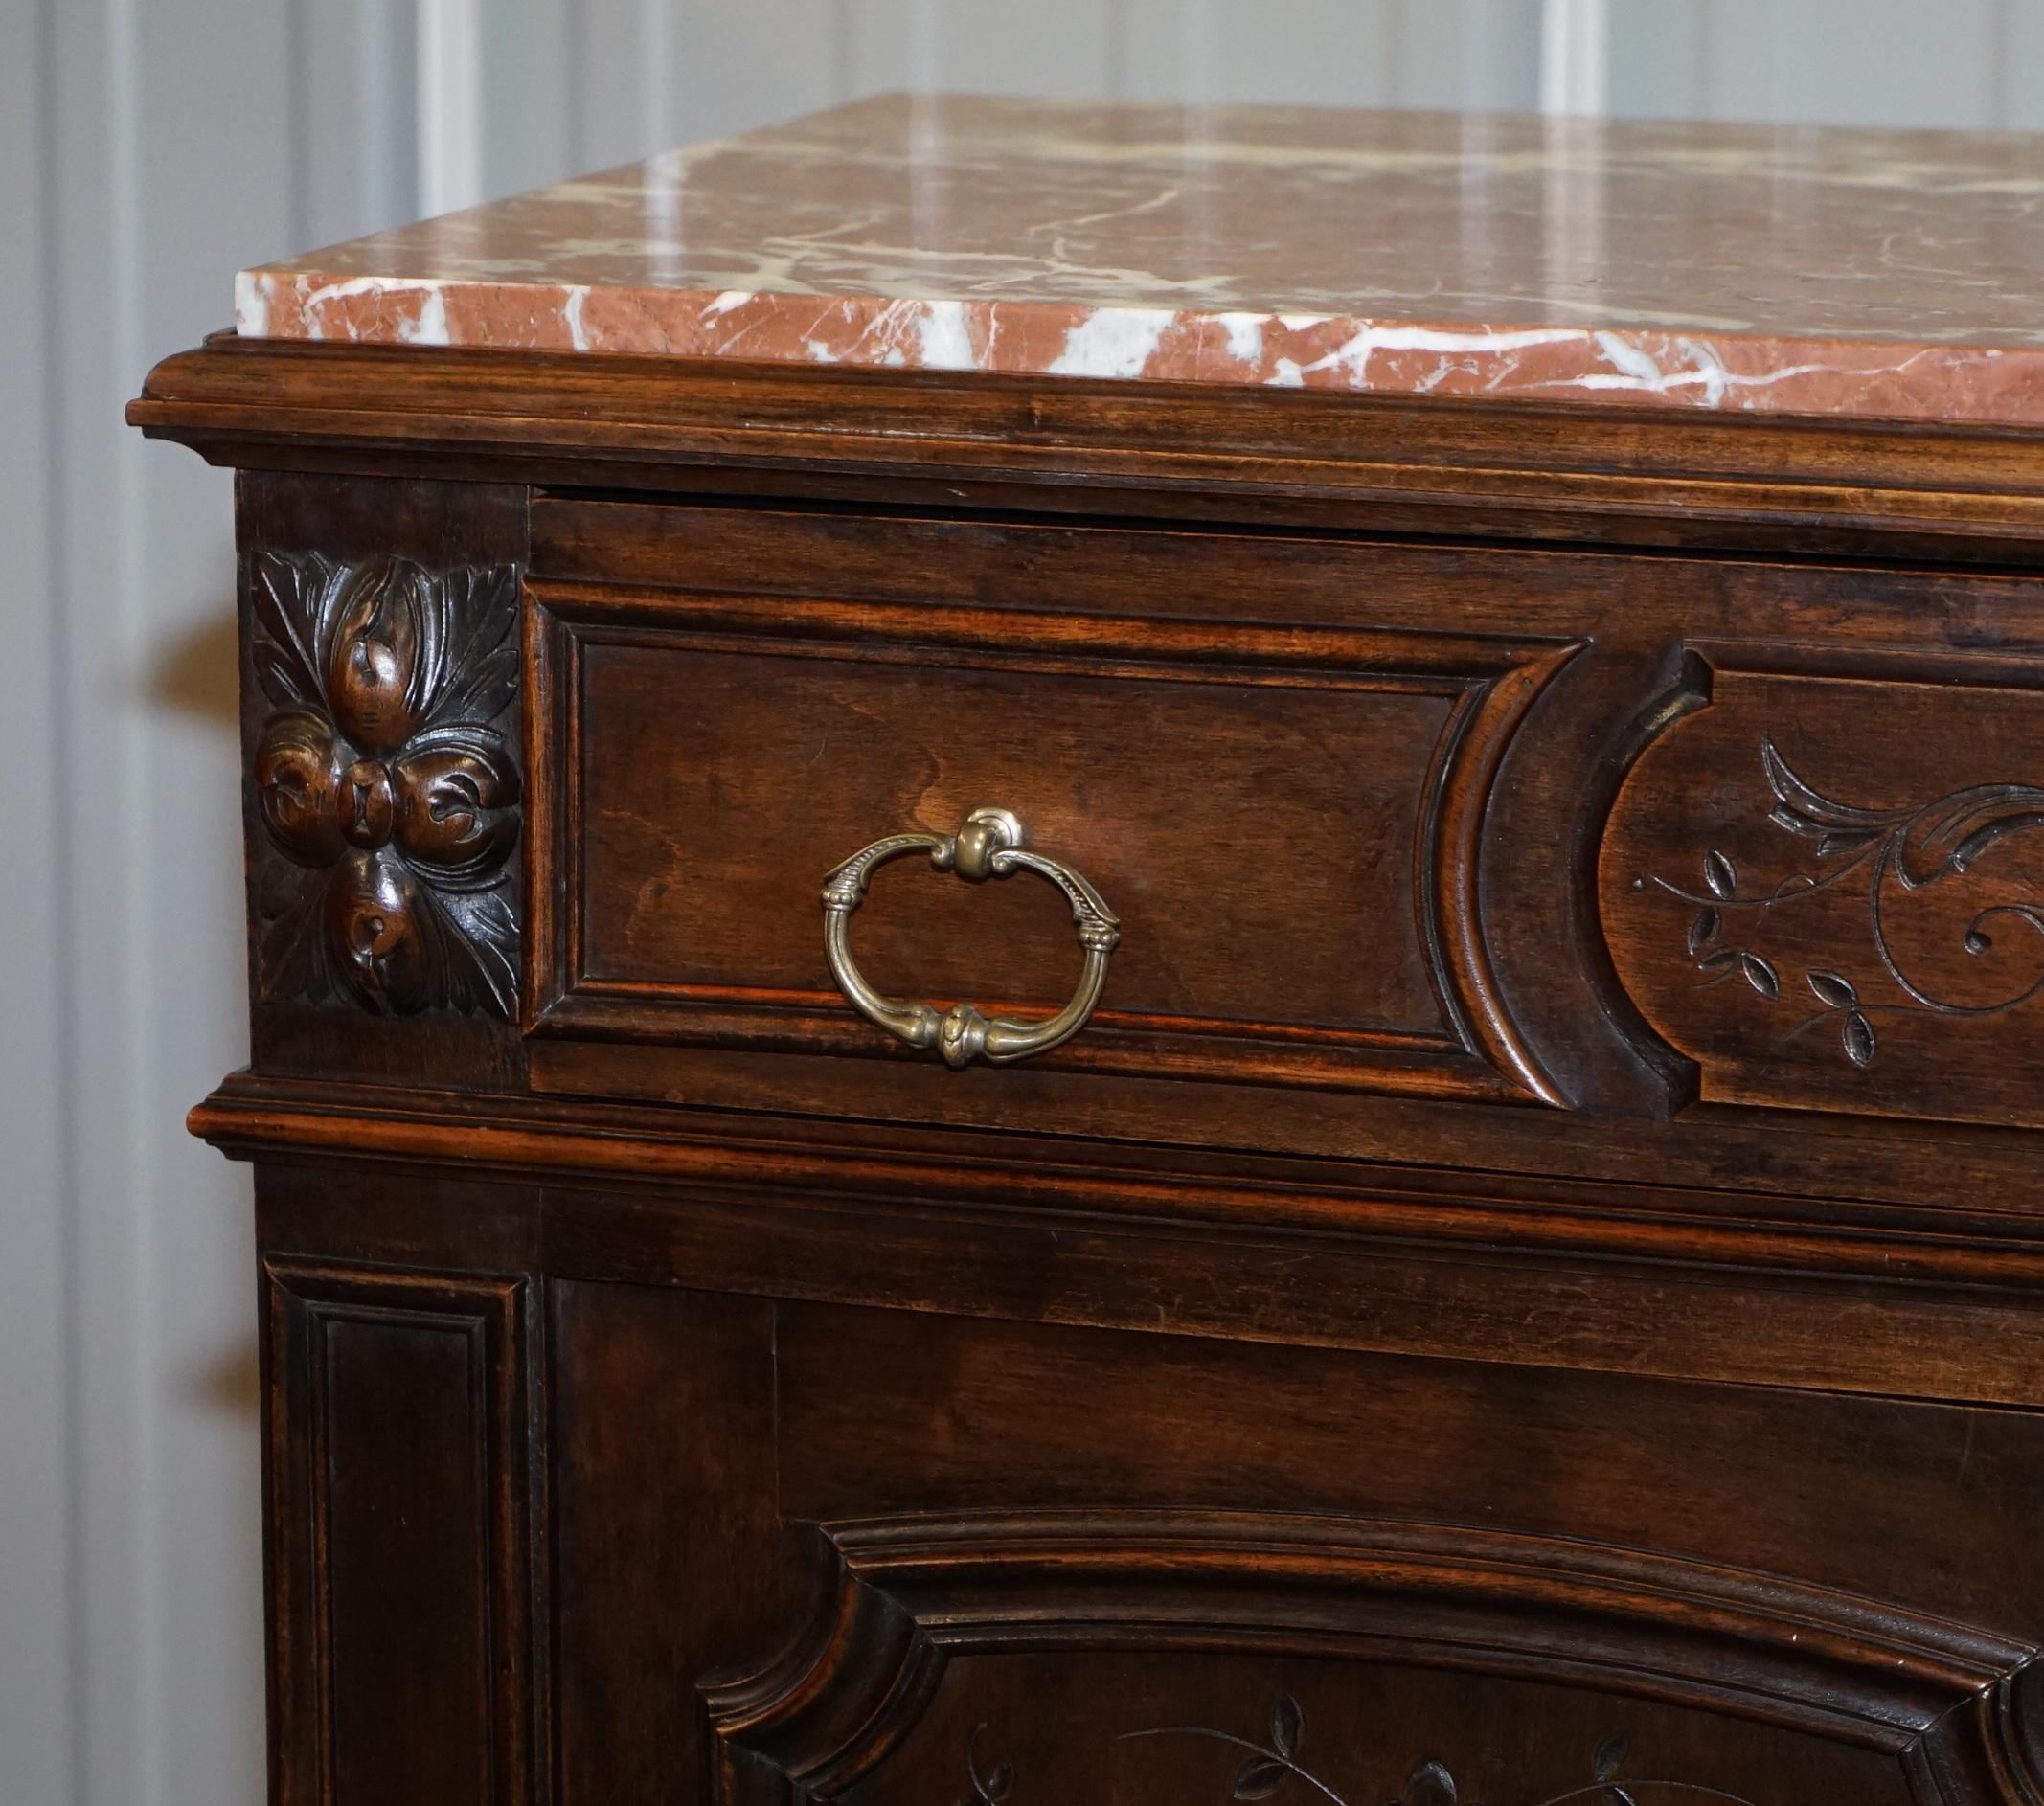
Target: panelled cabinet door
x,y
894,1559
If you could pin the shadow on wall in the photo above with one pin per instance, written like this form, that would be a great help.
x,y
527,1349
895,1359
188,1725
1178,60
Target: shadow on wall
x,y
198,673
229,1382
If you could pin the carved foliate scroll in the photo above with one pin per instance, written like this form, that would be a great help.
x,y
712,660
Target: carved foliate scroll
x,y
1269,1763
1829,892
386,784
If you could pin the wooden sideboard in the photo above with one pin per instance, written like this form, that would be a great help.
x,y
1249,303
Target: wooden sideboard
x,y
1528,1285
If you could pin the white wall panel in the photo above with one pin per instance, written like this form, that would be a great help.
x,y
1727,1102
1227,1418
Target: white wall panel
x,y
532,113
1057,47
791,51
573,85
614,69
150,148
1658,64
38,1726
207,196
1483,54
1333,53
576,86
355,145
2019,56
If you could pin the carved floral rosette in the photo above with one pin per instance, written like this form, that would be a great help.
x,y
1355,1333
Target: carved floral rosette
x,y
386,783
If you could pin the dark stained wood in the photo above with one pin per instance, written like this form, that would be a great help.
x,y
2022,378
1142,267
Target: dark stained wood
x,y
1448,1331
1859,929
1113,1726
926,1415
1362,964
1654,477
668,1553
401,1618
356,530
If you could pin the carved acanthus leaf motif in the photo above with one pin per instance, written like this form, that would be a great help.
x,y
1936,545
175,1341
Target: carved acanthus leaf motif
x,y
385,782
1893,852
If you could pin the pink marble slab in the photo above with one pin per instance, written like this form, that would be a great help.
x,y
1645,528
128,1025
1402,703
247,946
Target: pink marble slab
x,y
1572,259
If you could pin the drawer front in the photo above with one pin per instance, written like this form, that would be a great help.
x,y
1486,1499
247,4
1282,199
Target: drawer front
x,y
1443,822
1283,803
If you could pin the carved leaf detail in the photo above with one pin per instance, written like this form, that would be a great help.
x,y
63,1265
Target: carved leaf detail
x,y
1908,848
1287,1725
1258,1778
480,952
290,597
1263,1770
1812,808
291,953
1431,1784
484,674
1832,990
1704,930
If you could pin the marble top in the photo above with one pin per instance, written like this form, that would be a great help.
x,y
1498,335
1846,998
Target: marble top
x,y
1896,274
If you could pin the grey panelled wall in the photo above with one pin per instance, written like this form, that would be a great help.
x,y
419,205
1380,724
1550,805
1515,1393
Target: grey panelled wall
x,y
578,85
148,146
1977,64
640,75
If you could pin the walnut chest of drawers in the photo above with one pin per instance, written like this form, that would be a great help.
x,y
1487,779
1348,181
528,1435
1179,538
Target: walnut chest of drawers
x,y
1105,958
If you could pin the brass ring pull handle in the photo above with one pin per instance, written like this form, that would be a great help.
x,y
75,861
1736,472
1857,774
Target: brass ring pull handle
x,y
988,845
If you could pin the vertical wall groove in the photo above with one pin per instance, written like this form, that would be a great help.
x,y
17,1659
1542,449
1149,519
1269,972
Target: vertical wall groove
x,y
39,1573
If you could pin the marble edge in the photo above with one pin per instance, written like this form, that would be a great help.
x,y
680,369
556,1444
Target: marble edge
x,y
1631,364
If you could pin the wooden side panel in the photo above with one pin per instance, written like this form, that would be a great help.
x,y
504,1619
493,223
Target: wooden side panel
x,y
402,1614
1824,887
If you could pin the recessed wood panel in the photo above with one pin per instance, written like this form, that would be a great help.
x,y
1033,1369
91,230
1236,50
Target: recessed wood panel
x,y
724,786
1208,1731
